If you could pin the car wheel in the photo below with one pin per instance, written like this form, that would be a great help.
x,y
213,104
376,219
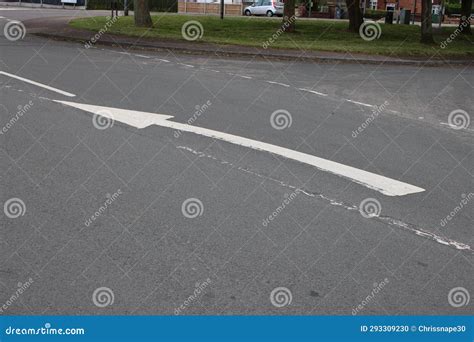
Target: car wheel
x,y
269,14
247,13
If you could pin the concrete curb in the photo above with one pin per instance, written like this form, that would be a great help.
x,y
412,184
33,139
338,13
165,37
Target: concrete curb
x,y
58,29
228,53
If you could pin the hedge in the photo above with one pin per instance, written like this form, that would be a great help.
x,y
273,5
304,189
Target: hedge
x,y
374,14
155,5
454,9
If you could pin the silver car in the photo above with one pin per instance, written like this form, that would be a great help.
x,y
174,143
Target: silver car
x,y
265,7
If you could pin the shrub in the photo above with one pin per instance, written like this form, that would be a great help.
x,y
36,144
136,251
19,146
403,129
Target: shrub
x,y
374,14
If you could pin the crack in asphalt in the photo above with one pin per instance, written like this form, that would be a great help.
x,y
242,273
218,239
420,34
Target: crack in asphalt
x,y
387,220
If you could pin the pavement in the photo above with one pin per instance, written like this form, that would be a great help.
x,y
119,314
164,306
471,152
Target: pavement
x,y
112,209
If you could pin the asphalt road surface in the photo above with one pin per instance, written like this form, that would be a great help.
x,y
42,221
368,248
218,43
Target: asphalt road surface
x,y
101,217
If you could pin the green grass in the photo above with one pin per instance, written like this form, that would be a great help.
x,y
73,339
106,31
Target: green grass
x,y
396,40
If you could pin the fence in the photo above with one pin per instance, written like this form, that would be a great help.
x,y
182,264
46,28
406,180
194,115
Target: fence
x,y
235,8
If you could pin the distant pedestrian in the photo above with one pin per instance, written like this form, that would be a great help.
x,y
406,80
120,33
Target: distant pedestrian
x,y
114,6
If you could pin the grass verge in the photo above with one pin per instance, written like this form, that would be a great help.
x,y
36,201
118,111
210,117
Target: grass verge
x,y
315,35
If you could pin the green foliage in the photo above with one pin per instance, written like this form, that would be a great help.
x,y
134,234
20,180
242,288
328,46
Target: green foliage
x,y
155,5
455,8
374,14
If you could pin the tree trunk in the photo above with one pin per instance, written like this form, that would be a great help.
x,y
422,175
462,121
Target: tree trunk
x,y
288,23
141,14
355,15
426,29
465,22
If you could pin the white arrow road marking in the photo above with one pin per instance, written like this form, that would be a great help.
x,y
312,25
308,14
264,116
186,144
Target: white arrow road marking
x,y
59,91
387,186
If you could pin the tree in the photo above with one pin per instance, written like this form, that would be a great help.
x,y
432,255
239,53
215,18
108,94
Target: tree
x,y
355,15
465,23
141,13
426,27
288,23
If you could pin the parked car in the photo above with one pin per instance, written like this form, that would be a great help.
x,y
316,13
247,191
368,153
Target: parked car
x,y
265,7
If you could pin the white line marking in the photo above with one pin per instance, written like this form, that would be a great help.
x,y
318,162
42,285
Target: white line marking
x,y
162,60
387,186
313,91
450,126
203,68
186,65
143,56
237,75
44,98
278,83
37,84
360,103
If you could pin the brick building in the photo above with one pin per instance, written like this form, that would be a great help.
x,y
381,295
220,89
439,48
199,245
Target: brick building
x,y
413,5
